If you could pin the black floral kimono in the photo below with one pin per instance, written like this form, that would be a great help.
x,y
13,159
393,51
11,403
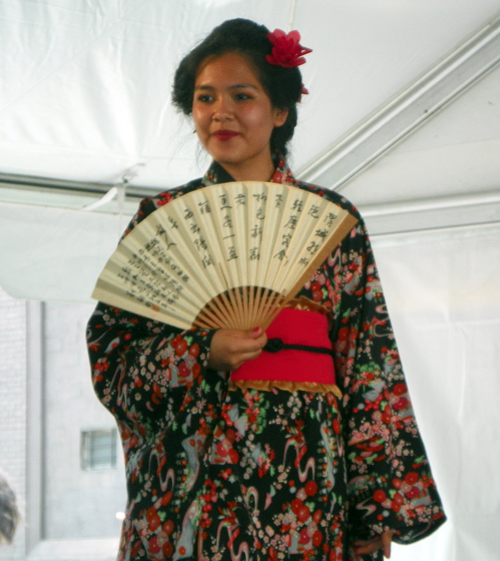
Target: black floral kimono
x,y
242,474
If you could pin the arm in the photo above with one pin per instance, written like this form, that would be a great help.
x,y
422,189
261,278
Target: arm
x,y
162,386
389,479
156,382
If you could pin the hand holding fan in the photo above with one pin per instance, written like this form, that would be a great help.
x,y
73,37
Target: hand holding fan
x,y
229,255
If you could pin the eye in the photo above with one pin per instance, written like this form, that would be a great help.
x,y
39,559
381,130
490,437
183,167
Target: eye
x,y
204,98
241,96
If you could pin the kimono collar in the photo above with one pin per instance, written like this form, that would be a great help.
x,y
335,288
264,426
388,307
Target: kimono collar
x,y
282,174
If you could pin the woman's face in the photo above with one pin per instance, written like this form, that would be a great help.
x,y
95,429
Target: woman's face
x,y
234,118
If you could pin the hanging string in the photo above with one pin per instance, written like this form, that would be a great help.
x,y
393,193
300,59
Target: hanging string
x,y
106,198
117,191
129,174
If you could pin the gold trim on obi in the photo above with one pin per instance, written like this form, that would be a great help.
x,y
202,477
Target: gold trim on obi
x,y
269,385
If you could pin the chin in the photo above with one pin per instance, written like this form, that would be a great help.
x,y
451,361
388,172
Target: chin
x,y
225,157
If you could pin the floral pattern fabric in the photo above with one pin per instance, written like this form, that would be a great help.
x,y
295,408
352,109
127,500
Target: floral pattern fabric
x,y
249,475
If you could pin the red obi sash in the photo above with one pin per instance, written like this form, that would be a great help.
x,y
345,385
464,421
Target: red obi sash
x,y
306,369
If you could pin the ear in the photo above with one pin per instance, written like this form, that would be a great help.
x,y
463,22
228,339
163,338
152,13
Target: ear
x,y
280,116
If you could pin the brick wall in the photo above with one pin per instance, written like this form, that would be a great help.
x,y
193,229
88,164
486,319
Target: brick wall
x,y
76,504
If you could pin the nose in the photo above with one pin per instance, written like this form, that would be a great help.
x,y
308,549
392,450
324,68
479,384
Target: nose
x,y
222,109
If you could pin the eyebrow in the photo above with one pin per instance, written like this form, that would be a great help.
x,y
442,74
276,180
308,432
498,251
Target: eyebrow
x,y
233,87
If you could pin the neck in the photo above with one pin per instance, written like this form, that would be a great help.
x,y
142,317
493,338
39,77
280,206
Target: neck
x,y
249,171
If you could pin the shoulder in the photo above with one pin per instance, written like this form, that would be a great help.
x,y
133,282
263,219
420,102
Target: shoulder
x,y
150,204
332,196
357,241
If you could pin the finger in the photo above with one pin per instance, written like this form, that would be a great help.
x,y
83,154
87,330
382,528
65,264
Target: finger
x,y
360,543
249,353
253,340
230,348
255,332
367,547
258,335
386,543
362,547
244,357
243,346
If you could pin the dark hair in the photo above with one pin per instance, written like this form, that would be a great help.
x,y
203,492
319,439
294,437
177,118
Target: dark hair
x,y
249,39
8,511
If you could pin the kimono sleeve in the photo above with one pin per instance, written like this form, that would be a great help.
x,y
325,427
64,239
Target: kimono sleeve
x,y
390,485
155,380
137,361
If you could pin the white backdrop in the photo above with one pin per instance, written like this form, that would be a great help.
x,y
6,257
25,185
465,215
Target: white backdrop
x,y
54,253
443,295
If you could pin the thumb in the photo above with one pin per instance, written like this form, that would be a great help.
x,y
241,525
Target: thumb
x,y
258,336
255,333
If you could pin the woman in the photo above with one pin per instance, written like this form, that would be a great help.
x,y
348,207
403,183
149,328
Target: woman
x,y
222,466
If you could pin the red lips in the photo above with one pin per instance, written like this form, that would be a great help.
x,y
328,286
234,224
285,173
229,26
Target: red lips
x,y
224,134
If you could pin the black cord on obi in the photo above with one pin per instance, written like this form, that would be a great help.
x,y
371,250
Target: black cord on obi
x,y
276,345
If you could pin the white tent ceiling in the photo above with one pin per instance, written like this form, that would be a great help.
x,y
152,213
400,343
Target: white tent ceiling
x,y
403,117
86,83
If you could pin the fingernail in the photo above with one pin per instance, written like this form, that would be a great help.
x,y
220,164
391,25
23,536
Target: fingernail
x,y
255,329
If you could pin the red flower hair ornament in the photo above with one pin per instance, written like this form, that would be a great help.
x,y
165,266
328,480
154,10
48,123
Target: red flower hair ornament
x,y
287,51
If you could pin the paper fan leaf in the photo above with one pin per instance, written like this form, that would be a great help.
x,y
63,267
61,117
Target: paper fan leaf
x,y
228,255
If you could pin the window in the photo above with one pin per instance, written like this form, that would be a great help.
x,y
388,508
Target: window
x,y
98,449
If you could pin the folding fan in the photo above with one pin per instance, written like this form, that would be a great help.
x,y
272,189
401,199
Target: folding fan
x,y
229,255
